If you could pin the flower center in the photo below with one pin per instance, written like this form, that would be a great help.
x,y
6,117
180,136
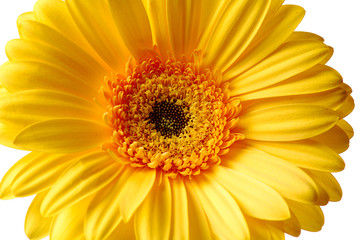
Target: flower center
x,y
170,116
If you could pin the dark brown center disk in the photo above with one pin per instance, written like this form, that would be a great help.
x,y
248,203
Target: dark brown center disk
x,y
169,118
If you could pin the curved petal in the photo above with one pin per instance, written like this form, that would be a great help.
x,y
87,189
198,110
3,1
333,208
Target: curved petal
x,y
37,226
158,205
346,108
26,107
133,25
38,32
290,226
276,173
290,59
183,22
199,227
255,198
62,135
141,179
335,138
6,182
259,230
94,21
55,14
35,75
318,79
331,99
287,122
68,224
85,177
234,32
26,50
269,38
306,154
40,172
224,216
7,135
346,127
103,215
329,183
180,219
157,15
297,36
310,216
124,230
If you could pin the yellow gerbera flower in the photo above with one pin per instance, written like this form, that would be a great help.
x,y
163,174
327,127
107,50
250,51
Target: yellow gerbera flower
x,y
171,119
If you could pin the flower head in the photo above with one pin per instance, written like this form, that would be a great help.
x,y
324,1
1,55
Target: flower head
x,y
167,119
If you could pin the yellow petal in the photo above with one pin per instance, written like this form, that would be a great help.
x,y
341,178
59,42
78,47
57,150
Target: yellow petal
x,y
318,79
335,138
158,205
157,15
209,19
55,14
275,5
123,231
346,127
36,75
287,122
329,183
290,226
37,226
331,99
310,216
183,20
234,32
180,220
6,182
224,216
276,173
255,198
68,224
26,50
276,234
103,215
25,17
85,177
62,135
305,153
94,21
26,107
290,59
297,36
198,224
40,172
39,32
133,25
346,108
7,135
259,230
270,36
141,179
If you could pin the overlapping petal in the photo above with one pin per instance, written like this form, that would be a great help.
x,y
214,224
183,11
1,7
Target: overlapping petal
x,y
37,226
157,205
62,135
283,178
287,122
85,177
226,220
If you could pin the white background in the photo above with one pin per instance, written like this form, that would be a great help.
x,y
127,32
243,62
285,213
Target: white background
x,y
339,22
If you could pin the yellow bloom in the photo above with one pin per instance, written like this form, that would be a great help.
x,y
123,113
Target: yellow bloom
x,y
170,119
